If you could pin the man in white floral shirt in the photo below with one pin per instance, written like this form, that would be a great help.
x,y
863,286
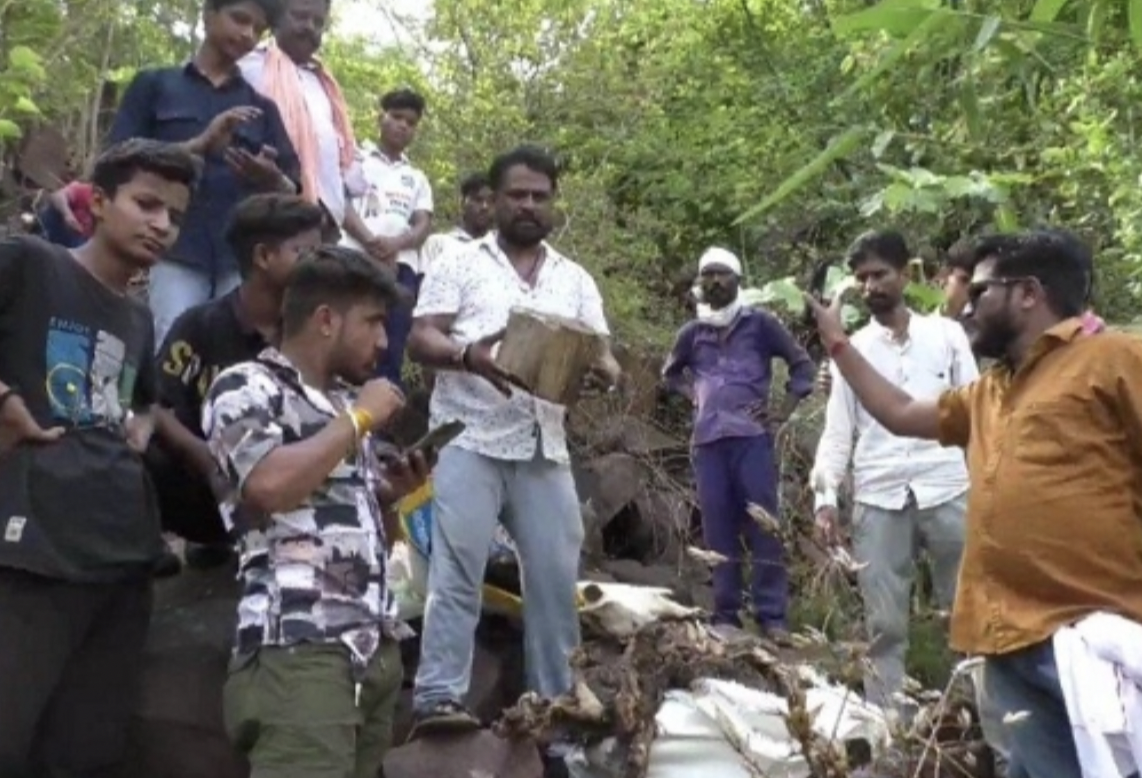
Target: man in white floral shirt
x,y
513,452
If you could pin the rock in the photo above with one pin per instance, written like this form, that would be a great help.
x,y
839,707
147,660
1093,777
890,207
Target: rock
x,y
470,755
631,571
486,693
177,731
610,483
610,430
188,648
667,518
163,749
402,719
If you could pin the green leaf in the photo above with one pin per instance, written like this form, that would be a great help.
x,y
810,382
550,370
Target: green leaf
x,y
918,33
969,102
22,57
26,62
839,147
1005,219
880,145
783,292
1047,10
26,106
850,316
9,130
872,205
895,17
838,280
1134,14
924,297
987,31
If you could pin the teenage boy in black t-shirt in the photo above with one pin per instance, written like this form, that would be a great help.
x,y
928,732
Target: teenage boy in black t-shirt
x,y
266,234
79,526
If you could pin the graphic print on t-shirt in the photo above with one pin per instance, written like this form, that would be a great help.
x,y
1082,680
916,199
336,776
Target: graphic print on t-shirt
x,y
87,375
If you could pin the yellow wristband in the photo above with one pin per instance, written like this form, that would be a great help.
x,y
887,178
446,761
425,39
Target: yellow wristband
x,y
356,424
362,422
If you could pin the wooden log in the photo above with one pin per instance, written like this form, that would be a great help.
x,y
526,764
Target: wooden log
x,y
549,354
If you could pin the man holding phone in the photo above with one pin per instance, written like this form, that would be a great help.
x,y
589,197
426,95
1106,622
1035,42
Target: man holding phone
x,y
208,107
316,670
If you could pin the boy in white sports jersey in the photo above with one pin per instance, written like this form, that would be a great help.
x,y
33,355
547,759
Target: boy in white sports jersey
x,y
393,216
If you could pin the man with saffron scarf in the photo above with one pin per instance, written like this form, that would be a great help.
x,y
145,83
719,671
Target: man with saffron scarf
x,y
312,105
722,362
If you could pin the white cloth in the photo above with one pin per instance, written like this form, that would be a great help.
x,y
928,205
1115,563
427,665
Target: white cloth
x,y
1099,660
479,287
719,256
721,317
934,357
394,190
330,180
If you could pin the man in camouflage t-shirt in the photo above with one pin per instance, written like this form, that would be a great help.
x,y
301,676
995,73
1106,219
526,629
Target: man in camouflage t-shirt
x,y
316,670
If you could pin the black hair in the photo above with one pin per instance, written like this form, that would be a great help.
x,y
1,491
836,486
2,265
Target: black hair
x,y
270,220
961,256
339,277
473,183
531,157
887,245
273,9
123,161
403,99
1058,259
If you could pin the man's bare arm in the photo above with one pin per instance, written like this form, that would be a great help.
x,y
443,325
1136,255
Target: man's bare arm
x,y
193,449
429,343
899,412
355,225
419,228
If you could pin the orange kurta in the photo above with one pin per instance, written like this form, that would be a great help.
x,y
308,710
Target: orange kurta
x,y
1054,519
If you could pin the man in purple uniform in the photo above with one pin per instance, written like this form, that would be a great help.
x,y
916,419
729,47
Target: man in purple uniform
x,y
722,362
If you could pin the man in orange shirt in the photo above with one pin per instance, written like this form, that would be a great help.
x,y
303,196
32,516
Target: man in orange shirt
x,y
1053,435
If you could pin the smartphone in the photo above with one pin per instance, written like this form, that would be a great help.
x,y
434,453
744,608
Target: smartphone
x,y
240,140
437,439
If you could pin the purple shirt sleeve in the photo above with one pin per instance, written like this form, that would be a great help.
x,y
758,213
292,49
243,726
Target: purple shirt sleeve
x,y
802,371
674,371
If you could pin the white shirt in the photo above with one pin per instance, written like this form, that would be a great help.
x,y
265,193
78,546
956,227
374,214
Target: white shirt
x,y
1099,660
440,242
393,191
934,357
480,287
330,180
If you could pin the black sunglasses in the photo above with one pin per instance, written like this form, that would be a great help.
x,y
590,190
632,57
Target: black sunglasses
x,y
977,288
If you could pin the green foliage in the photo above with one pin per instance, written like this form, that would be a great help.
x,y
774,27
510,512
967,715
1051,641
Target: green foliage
x,y
18,81
776,128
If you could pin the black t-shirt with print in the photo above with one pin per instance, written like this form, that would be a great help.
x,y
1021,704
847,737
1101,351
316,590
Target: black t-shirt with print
x,y
81,508
201,343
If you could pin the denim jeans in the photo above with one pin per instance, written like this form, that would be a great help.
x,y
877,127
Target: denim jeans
x,y
1041,743
397,328
174,289
542,515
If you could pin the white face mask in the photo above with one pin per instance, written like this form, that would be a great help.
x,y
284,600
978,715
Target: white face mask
x,y
721,317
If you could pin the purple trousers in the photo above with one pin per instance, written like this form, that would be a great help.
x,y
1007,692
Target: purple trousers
x,y
731,473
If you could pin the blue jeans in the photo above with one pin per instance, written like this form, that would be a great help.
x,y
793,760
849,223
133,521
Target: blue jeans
x,y
1041,744
537,502
397,328
174,289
